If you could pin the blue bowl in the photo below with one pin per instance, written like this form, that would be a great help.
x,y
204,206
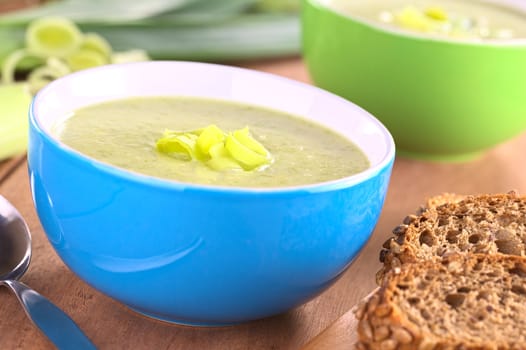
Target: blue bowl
x,y
196,254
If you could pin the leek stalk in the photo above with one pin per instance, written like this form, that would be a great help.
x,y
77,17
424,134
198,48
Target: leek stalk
x,y
245,36
202,30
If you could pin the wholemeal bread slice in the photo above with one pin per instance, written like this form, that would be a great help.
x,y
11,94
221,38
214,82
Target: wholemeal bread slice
x,y
468,302
492,224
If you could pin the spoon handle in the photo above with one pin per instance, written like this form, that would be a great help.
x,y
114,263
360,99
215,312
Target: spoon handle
x,y
53,322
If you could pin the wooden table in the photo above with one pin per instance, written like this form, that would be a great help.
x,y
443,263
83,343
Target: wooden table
x,y
112,326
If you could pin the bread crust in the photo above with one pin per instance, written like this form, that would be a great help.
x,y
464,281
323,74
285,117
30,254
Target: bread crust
x,y
390,320
443,198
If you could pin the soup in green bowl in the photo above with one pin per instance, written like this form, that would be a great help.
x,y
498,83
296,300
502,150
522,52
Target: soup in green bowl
x,y
477,20
447,78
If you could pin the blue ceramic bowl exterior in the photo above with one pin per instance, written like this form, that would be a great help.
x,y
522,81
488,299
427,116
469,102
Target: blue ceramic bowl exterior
x,y
198,254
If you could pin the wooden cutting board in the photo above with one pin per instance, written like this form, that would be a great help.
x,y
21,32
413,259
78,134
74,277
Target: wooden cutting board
x,y
340,335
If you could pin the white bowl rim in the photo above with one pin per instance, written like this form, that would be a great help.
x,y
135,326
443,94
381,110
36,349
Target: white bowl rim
x,y
376,25
345,182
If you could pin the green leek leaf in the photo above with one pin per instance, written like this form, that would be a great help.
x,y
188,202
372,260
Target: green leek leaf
x,y
279,5
11,39
82,11
243,37
205,12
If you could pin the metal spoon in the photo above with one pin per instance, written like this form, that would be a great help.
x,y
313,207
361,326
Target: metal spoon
x,y
15,254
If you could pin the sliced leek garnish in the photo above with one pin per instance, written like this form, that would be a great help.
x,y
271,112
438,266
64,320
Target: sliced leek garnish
x,y
96,43
244,137
238,150
436,13
10,64
85,58
53,37
412,18
244,154
60,48
178,146
220,159
209,137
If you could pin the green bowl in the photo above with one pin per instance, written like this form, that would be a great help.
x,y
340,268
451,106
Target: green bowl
x,y
442,99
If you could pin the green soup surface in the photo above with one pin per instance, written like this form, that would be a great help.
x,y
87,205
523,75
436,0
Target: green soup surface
x,y
466,19
124,133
